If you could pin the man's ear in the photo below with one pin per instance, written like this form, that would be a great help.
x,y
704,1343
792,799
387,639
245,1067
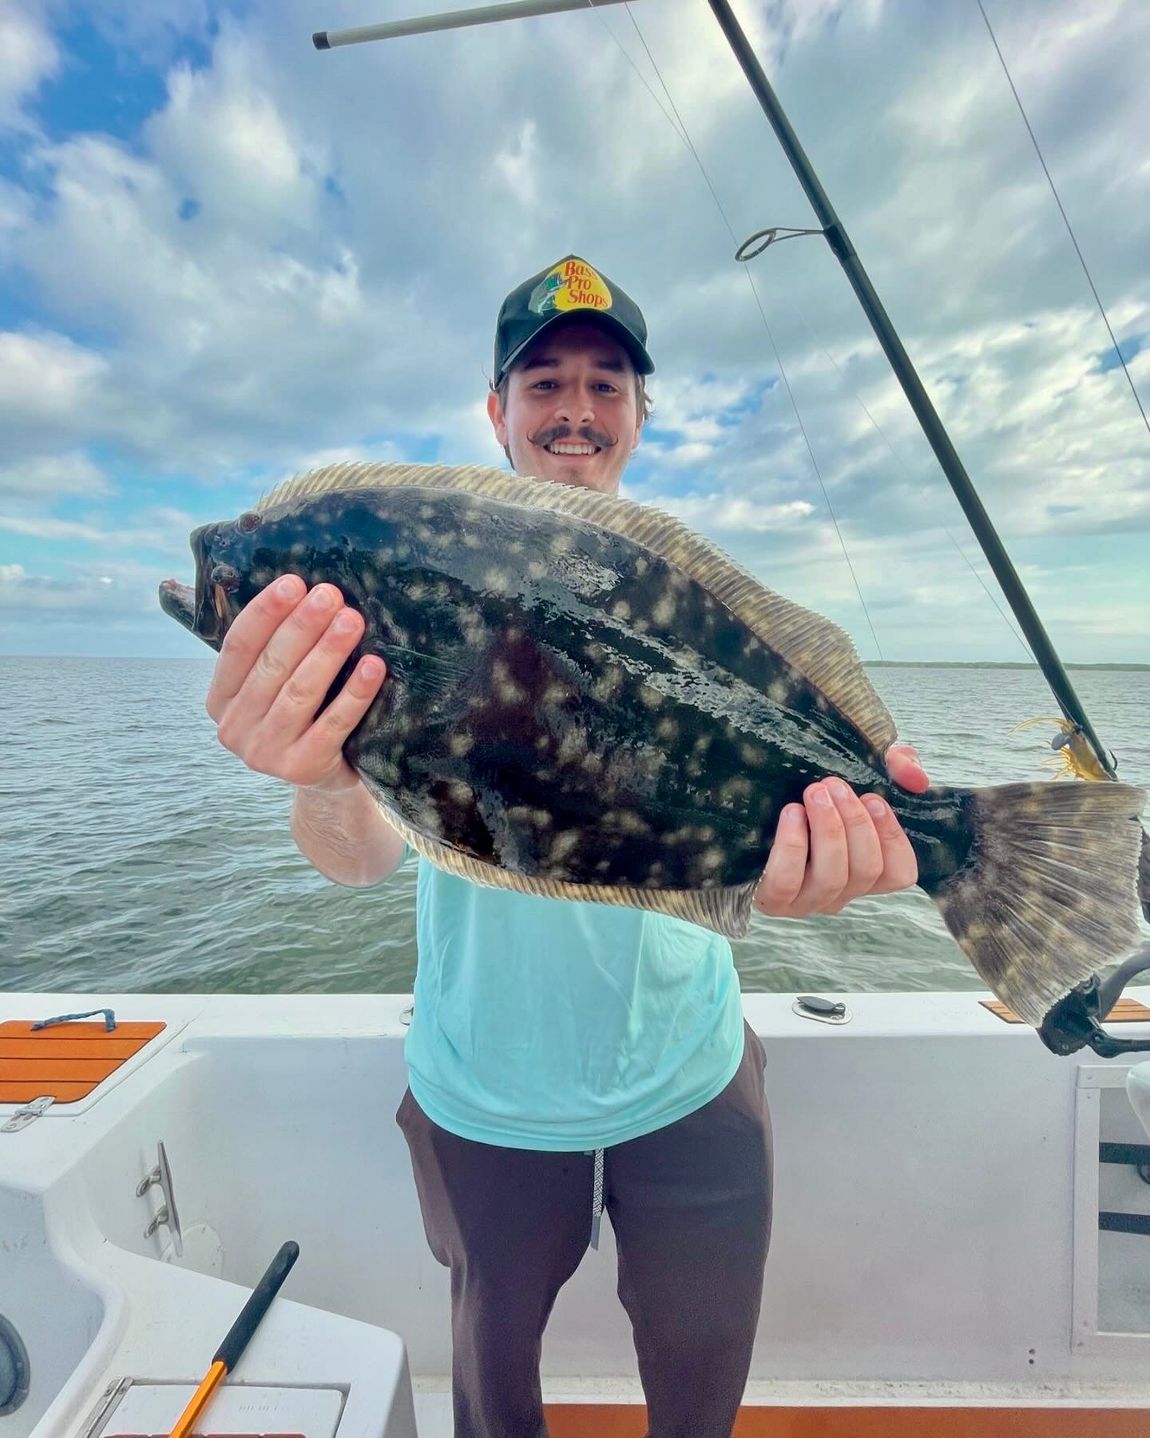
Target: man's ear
x,y
638,435
495,415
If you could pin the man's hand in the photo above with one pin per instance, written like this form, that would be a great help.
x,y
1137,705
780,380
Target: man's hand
x,y
834,846
277,662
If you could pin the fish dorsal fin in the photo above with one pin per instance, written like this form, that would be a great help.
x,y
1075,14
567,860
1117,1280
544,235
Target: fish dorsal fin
x,y
814,646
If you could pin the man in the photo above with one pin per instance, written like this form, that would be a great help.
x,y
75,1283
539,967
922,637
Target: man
x,y
563,1058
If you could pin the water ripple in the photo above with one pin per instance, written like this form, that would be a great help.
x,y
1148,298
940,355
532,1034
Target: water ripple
x,y
136,855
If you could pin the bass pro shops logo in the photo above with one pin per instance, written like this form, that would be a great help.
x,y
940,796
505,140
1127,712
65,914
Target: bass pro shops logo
x,y
571,285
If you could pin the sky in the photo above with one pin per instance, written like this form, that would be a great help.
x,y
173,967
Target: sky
x,y
226,257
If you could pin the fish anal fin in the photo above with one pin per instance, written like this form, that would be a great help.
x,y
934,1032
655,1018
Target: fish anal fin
x,y
726,911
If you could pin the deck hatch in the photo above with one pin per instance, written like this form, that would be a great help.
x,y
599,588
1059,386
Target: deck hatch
x,y
65,1062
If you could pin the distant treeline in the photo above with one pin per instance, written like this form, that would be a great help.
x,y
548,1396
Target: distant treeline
x,y
984,664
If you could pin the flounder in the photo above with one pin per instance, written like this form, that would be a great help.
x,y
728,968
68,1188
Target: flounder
x,y
586,700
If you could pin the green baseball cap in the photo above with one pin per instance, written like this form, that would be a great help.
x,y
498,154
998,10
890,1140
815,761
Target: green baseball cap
x,y
571,287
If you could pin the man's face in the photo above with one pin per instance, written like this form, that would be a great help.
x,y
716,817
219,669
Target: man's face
x,y
572,414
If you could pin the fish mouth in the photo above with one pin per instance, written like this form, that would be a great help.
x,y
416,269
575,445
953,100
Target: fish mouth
x,y
178,601
204,610
206,620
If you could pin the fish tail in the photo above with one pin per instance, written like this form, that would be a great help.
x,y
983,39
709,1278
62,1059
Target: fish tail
x,y
1048,892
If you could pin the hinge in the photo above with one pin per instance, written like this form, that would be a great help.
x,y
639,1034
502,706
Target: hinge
x,y
28,1114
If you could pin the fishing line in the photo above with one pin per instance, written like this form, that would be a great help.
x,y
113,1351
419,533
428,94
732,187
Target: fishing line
x,y
646,83
1062,212
684,135
990,595
902,468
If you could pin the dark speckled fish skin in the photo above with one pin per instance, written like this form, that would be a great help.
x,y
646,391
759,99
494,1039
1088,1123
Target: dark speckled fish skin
x,y
562,703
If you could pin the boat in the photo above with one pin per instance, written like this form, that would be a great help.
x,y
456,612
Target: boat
x,y
947,1254
959,1242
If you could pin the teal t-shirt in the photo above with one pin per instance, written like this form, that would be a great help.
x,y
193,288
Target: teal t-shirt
x,y
543,1024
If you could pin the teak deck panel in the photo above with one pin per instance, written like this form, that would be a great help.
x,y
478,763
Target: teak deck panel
x,y
66,1061
593,1420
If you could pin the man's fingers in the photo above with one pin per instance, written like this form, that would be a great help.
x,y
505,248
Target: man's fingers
x,y
904,768
899,865
247,639
787,864
287,652
829,867
864,847
321,744
300,693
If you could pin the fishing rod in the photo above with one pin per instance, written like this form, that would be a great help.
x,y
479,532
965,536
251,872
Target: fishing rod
x,y
1075,1020
839,241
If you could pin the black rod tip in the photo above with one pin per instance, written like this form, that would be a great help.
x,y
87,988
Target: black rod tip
x,y
320,40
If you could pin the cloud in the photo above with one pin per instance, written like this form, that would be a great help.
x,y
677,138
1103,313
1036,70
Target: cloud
x,y
278,267
28,56
50,387
163,531
54,475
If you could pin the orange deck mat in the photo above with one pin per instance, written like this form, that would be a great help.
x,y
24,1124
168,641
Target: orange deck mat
x,y
1125,1011
66,1061
594,1420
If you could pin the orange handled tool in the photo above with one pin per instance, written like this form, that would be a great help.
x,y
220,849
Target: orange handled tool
x,y
229,1351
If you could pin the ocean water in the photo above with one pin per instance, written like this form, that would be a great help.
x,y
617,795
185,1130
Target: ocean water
x,y
137,855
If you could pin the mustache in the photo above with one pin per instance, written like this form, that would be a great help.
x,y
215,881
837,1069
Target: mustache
x,y
587,435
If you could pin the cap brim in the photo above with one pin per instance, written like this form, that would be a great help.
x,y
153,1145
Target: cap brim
x,y
639,356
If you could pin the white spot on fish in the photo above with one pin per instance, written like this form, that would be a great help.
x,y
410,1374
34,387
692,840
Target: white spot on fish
x,y
664,611
608,685
572,746
735,791
460,743
626,821
498,581
511,693
562,845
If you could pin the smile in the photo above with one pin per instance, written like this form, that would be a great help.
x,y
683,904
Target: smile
x,y
559,447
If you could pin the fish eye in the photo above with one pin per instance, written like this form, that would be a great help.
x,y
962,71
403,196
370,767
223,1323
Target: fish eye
x,y
248,521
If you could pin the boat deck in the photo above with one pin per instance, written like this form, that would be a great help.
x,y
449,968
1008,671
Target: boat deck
x,y
938,1263
573,1420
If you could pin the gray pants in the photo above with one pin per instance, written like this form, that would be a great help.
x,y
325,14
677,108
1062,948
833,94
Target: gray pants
x,y
691,1209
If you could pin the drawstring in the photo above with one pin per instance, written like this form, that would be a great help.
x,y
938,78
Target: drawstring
x,y
597,1199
